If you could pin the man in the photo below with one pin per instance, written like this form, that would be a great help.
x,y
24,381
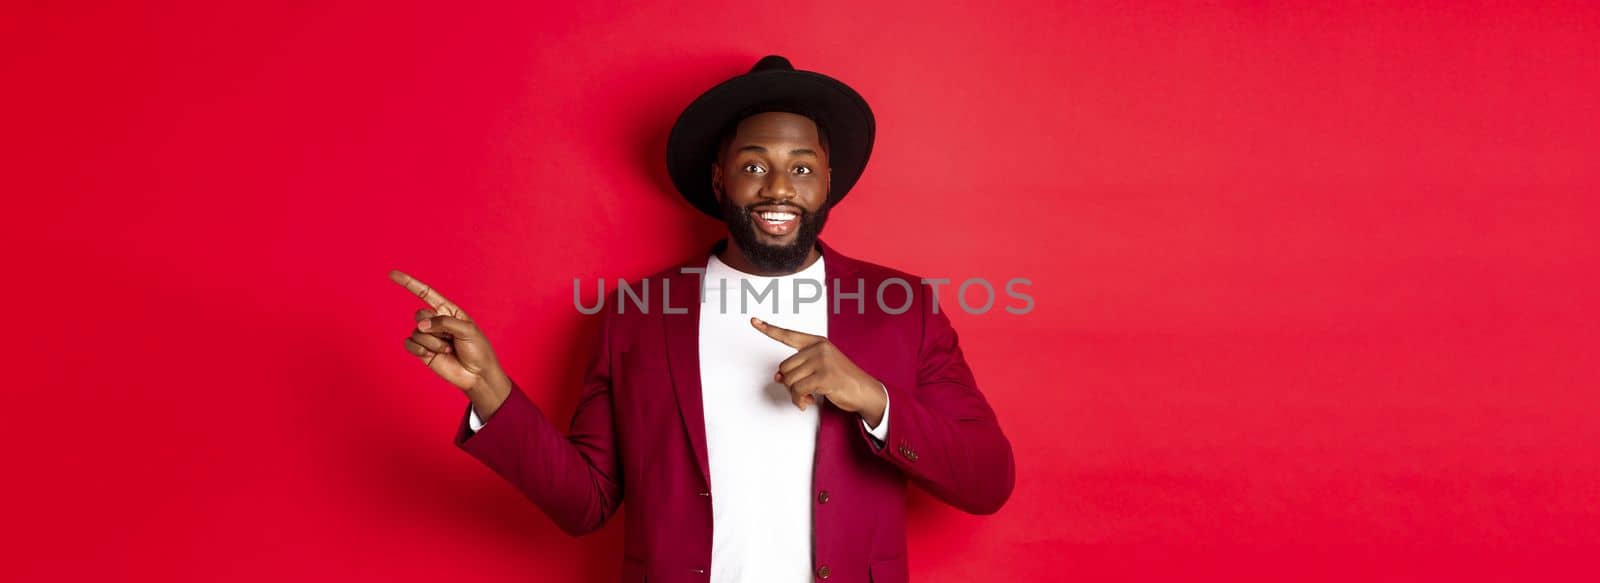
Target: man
x,y
772,448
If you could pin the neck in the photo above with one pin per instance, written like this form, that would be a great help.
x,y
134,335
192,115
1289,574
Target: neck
x,y
732,255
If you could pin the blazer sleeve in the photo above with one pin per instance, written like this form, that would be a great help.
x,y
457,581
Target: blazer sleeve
x,y
576,478
942,432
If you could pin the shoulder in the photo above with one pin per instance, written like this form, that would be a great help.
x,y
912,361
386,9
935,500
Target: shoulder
x,y
845,266
626,308
894,291
878,272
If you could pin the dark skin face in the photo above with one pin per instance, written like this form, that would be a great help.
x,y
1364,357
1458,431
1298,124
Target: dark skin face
x,y
774,162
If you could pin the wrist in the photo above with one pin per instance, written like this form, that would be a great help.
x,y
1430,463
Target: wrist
x,y
489,394
877,399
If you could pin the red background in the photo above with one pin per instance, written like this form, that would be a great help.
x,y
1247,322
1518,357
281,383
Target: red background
x,y
1311,290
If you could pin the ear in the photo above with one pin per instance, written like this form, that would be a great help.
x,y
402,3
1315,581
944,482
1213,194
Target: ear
x,y
716,180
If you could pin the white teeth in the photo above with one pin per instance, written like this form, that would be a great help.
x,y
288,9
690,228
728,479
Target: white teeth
x,y
777,217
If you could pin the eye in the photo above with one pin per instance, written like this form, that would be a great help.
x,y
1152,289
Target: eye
x,y
758,168
807,169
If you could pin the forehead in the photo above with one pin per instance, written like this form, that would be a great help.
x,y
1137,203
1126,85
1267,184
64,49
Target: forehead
x,y
776,127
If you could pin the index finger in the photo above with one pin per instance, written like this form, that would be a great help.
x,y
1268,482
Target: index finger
x,y
422,290
796,340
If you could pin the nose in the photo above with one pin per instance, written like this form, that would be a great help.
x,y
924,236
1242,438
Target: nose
x,y
779,187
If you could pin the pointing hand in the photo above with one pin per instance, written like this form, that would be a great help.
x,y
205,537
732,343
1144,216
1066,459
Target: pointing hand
x,y
448,342
820,368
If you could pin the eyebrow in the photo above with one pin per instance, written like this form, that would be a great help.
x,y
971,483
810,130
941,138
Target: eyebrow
x,y
755,148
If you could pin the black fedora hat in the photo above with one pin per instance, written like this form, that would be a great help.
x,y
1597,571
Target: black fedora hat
x,y
834,106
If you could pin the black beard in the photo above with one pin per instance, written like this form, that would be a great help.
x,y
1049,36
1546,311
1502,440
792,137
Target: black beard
x,y
773,258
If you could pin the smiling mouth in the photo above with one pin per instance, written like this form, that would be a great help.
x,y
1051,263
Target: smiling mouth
x,y
776,223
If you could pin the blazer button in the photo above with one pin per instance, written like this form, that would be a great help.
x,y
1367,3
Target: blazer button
x,y
824,572
822,497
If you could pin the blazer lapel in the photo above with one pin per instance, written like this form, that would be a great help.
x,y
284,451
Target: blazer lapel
x,y
683,356
839,271
844,329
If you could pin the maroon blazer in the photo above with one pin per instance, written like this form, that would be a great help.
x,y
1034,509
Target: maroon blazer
x,y
639,429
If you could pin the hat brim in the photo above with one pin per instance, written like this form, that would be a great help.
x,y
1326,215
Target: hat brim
x,y
691,146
